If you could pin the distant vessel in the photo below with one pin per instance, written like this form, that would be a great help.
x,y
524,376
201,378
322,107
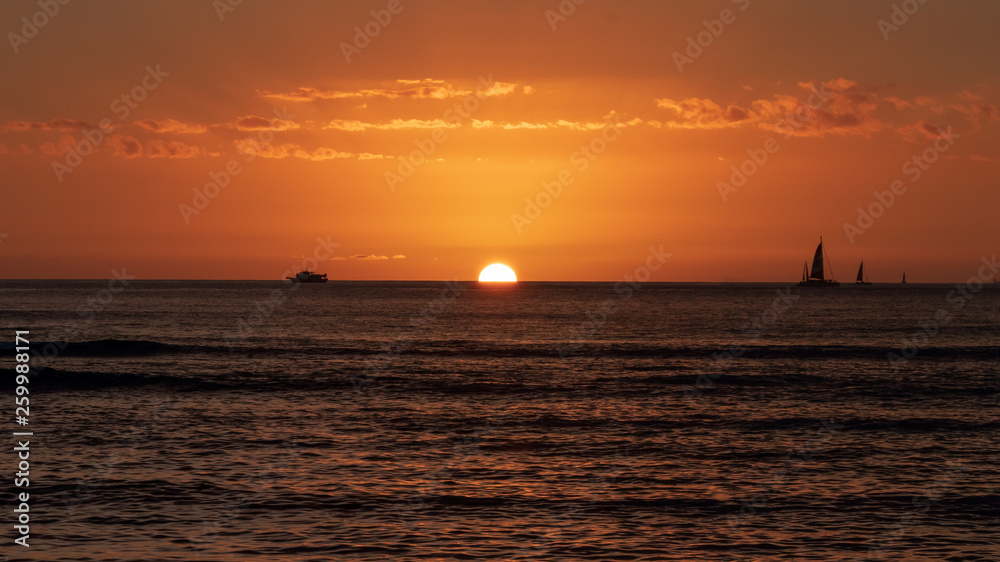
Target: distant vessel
x,y
307,276
904,278
815,277
862,278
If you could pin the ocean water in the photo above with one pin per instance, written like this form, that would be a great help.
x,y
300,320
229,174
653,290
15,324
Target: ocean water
x,y
545,421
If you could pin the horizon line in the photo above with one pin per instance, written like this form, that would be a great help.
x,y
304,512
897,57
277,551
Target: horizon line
x,y
285,281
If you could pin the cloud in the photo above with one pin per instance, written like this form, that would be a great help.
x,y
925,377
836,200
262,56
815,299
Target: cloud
x,y
500,89
399,124
171,149
56,149
558,124
978,114
422,82
374,257
289,150
257,123
921,130
408,89
699,113
128,147
966,95
930,103
974,107
358,126
838,106
171,126
898,103
293,151
58,124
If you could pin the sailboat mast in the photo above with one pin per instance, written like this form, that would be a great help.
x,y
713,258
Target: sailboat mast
x,y
827,259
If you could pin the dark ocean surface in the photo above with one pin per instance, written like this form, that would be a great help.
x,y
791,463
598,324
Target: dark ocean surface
x,y
544,421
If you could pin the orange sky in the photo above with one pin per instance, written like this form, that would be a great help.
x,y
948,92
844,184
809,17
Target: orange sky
x,y
838,104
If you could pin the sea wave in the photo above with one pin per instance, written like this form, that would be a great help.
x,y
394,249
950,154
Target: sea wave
x,y
474,348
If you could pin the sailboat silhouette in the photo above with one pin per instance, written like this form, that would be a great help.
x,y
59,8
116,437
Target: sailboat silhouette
x,y
815,277
862,278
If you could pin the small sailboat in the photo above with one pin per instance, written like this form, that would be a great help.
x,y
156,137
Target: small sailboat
x,y
903,282
815,277
862,278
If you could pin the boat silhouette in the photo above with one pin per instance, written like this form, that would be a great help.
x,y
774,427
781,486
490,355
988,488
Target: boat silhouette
x,y
306,276
862,278
815,277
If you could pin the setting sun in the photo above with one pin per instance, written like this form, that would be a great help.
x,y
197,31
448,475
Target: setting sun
x,y
497,273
